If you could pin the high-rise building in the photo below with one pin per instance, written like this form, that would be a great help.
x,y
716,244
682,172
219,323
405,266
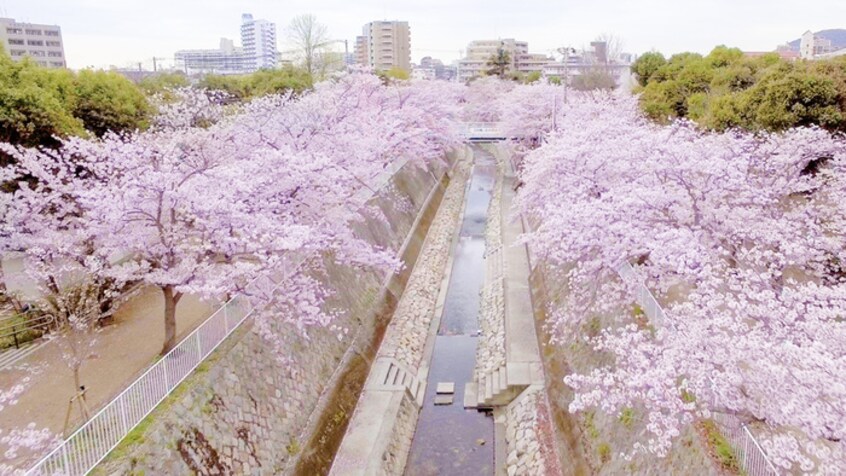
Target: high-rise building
x,y
43,43
258,51
384,45
258,38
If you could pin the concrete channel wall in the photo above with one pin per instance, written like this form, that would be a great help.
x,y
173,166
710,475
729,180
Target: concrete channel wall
x,y
509,373
525,438
249,411
379,437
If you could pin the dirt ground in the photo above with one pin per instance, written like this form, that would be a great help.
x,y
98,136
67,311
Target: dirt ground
x,y
122,352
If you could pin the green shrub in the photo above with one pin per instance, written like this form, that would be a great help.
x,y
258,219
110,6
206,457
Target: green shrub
x,y
726,90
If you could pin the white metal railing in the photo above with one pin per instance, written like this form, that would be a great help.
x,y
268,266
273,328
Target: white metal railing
x,y
749,453
91,443
481,130
88,445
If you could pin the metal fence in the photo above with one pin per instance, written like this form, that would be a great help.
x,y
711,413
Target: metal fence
x,y
749,453
481,131
86,447
91,443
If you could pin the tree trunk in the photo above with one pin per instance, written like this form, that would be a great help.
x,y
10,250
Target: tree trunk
x,y
171,299
2,277
77,385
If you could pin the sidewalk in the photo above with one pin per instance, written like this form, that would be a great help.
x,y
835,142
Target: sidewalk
x,y
123,350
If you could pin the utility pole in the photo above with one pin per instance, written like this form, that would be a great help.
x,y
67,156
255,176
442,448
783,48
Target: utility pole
x,y
155,63
566,51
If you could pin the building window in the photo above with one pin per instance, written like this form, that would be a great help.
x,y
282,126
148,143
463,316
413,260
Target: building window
x,y
54,54
15,42
33,32
57,63
14,31
18,52
36,53
54,43
35,42
51,33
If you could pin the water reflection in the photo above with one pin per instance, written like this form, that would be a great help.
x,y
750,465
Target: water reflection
x,y
450,440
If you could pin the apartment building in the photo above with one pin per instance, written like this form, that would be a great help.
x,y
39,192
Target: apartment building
x,y
257,51
384,45
433,68
479,52
258,39
42,43
812,46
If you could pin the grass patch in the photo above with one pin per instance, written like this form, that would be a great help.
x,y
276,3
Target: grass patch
x,y
293,447
590,426
138,434
593,326
721,448
604,451
23,336
627,417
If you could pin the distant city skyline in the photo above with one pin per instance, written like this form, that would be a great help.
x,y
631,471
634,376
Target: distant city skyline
x,y
101,33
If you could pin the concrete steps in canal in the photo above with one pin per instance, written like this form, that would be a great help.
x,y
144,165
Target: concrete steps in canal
x,y
501,386
508,262
394,375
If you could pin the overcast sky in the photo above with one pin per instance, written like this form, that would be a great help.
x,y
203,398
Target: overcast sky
x,y
121,32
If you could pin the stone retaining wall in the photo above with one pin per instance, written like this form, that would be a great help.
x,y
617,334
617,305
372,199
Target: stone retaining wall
x,y
405,339
381,431
490,353
397,453
529,436
245,410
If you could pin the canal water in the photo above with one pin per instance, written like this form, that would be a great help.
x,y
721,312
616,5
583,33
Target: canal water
x,y
450,440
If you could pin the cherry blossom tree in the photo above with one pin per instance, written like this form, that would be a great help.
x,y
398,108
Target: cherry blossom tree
x,y
205,208
739,235
483,98
215,200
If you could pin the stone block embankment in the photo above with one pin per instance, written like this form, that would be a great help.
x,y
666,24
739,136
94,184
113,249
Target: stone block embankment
x,y
379,436
249,411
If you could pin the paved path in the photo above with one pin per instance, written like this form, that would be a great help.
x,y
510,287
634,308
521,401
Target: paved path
x,y
122,352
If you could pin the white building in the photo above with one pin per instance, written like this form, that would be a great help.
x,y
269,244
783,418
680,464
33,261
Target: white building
x,y
42,43
258,51
479,52
258,38
228,59
816,47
